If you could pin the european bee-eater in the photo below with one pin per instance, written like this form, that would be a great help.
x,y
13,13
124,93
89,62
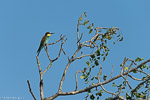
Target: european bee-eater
x,y
44,41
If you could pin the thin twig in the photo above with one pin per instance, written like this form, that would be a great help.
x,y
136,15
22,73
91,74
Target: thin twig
x,y
108,91
112,70
41,79
47,68
78,40
77,79
134,90
61,49
46,49
31,90
57,40
92,86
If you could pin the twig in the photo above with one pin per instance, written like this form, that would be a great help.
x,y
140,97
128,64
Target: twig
x,y
47,68
46,49
135,78
100,73
77,79
61,49
107,91
143,72
41,79
112,71
31,90
57,40
78,40
123,64
134,90
92,86
65,71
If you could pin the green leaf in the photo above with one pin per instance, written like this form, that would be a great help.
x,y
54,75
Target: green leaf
x,y
118,35
92,78
125,68
82,77
104,58
85,22
98,58
87,82
114,85
80,19
93,83
127,96
89,27
92,97
101,91
96,63
98,52
138,59
90,31
134,71
107,54
93,66
92,24
104,77
109,37
88,63
96,77
85,69
93,56
121,39
113,43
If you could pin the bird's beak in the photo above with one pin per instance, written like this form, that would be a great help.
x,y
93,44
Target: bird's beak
x,y
52,33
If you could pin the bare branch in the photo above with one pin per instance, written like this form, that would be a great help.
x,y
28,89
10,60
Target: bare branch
x,y
57,40
100,73
138,87
78,40
107,91
61,49
31,90
92,86
143,72
134,78
77,79
112,71
47,68
46,49
83,56
41,79
65,71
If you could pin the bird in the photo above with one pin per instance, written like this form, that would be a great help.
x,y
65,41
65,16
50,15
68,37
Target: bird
x,y
44,41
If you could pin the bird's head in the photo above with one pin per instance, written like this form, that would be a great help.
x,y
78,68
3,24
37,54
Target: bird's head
x,y
48,34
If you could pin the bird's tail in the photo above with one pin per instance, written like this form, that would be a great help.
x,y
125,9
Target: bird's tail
x,y
38,51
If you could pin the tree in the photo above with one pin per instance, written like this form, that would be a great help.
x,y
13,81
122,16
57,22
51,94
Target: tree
x,y
98,40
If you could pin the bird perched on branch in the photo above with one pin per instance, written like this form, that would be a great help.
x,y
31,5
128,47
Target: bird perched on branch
x,y
44,41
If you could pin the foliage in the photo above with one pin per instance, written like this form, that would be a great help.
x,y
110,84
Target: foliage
x,y
92,74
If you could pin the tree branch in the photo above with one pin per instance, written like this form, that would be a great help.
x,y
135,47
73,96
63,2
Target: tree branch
x,y
60,93
31,90
134,90
77,79
41,79
57,40
78,40
65,71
